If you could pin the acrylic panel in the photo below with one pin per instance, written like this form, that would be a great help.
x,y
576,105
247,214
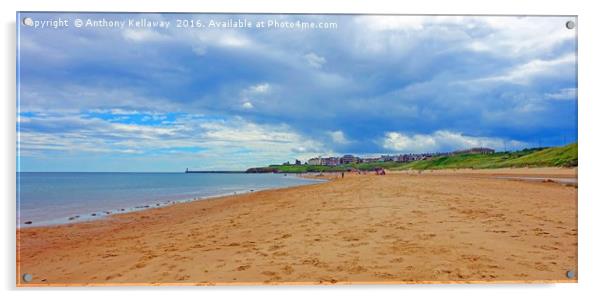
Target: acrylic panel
x,y
231,149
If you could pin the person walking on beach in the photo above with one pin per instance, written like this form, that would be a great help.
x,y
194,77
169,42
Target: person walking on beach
x,y
342,175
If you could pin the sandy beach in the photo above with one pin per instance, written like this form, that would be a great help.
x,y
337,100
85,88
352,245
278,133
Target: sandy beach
x,y
407,227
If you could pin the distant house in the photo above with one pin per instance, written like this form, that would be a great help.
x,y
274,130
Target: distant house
x,y
314,161
370,160
331,161
476,150
346,159
400,158
387,158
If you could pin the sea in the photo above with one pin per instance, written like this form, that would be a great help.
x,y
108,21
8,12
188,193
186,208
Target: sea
x,y
51,198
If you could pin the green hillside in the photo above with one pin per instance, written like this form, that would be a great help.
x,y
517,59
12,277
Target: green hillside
x,y
564,156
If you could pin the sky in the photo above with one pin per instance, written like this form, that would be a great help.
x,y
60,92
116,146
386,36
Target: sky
x,y
167,99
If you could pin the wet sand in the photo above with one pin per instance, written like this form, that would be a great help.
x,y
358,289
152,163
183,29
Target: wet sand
x,y
406,227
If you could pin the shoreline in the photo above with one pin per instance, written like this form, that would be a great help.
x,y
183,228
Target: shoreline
x,y
346,231
100,215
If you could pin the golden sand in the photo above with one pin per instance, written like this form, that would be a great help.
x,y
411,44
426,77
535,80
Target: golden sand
x,y
407,227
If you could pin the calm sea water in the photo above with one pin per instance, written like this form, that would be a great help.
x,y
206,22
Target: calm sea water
x,y
53,198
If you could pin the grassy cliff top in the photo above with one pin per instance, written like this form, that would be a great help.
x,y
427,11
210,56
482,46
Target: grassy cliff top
x,y
563,156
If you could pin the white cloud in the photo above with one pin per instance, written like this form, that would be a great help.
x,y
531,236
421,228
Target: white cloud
x,y
201,43
442,141
143,35
505,36
514,36
243,131
562,94
523,74
411,23
260,88
200,50
278,141
234,41
338,137
253,94
70,97
247,143
115,111
224,39
314,60
247,105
